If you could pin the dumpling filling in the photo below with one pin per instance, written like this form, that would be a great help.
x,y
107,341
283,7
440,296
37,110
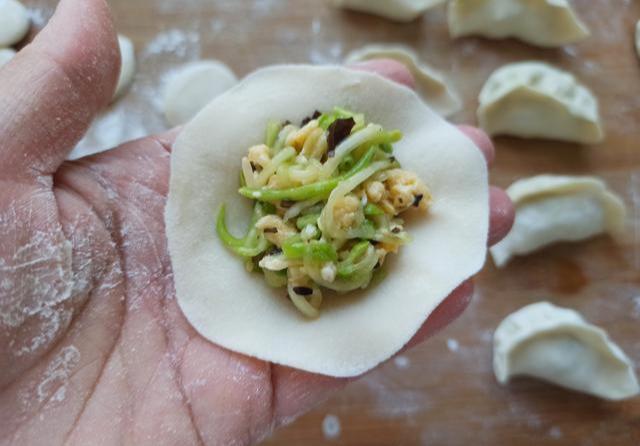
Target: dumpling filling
x,y
328,196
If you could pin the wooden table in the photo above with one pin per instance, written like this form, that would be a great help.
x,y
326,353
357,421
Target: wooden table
x,y
444,392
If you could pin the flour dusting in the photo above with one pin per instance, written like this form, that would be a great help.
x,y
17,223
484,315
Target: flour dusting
x,y
53,386
402,362
453,345
331,427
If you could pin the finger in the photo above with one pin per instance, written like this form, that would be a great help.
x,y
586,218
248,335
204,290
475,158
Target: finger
x,y
55,86
389,68
481,140
501,216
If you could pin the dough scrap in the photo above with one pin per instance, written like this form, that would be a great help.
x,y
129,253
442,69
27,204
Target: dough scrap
x,y
552,208
430,84
14,22
355,332
398,10
127,65
546,23
557,345
193,87
6,54
537,100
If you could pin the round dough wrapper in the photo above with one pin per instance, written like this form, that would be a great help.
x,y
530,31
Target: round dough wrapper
x,y
14,22
193,87
6,54
357,331
127,65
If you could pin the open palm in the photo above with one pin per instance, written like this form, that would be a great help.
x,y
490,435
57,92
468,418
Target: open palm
x,y
93,347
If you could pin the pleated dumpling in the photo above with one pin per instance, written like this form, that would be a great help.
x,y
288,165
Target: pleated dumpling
x,y
557,345
431,85
546,23
536,100
398,10
552,208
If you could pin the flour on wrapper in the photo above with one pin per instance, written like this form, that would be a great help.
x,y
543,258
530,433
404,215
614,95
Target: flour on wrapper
x,y
433,86
193,86
545,23
536,100
554,208
398,10
355,332
557,345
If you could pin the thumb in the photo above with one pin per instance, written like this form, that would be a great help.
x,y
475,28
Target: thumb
x,y
52,90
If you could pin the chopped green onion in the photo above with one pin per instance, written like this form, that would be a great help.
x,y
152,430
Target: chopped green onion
x,y
320,251
320,189
275,279
350,265
371,210
305,220
249,246
272,132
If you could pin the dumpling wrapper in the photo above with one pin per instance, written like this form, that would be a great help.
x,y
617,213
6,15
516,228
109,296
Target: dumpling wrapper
x,y
557,345
398,10
430,84
546,23
555,208
354,332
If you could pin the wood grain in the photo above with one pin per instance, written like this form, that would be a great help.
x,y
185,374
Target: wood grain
x,y
444,392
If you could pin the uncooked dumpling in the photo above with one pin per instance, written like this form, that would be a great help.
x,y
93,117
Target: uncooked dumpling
x,y
552,209
356,331
557,345
14,22
193,87
127,65
546,23
536,100
6,54
638,38
437,92
399,10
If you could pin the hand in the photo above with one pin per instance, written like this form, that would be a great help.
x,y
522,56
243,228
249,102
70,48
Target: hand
x,y
93,347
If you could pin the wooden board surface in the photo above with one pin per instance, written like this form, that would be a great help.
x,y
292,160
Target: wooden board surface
x,y
443,392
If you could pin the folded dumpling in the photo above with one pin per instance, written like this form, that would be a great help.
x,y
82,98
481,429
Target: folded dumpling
x,y
553,208
434,88
536,100
399,10
546,23
557,345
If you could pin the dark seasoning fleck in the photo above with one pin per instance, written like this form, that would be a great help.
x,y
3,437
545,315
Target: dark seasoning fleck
x,y
303,290
338,132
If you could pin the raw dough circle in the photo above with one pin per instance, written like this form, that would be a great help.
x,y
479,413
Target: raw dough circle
x,y
356,331
193,87
6,54
127,65
14,22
